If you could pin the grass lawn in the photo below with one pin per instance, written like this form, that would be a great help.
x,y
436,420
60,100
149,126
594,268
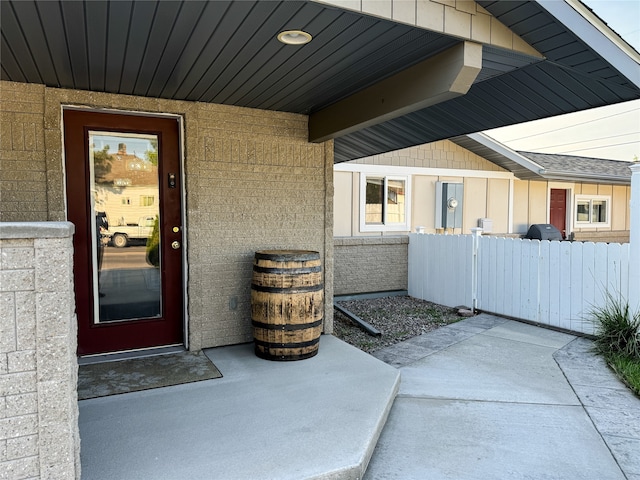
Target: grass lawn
x,y
618,339
627,368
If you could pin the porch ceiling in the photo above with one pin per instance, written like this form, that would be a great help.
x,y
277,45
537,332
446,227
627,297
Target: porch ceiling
x,y
226,52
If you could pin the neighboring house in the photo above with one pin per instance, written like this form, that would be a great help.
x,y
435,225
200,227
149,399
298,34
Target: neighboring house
x,y
248,130
585,198
502,191
126,187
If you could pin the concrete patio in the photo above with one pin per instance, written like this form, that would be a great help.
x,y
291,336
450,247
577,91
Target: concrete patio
x,y
486,398
310,419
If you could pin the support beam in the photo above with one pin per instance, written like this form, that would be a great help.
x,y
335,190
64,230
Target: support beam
x,y
442,77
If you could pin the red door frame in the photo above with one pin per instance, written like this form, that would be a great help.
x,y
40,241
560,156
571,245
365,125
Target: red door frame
x,y
141,333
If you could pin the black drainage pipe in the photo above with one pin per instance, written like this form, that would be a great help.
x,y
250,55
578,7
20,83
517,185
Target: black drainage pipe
x,y
367,327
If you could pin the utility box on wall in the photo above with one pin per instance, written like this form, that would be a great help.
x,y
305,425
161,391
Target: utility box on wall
x,y
449,198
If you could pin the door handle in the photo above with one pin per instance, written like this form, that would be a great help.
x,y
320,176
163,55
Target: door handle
x,y
175,245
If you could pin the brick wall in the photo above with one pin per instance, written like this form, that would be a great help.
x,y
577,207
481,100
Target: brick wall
x,y
252,181
38,369
617,236
23,177
368,264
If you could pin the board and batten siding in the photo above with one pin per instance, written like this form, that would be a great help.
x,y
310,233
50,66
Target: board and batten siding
x,y
484,182
531,205
491,192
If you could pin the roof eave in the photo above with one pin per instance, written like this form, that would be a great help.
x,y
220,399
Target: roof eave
x,y
604,41
585,177
505,151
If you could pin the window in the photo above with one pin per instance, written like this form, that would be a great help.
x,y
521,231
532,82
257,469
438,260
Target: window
x,y
592,211
146,200
384,203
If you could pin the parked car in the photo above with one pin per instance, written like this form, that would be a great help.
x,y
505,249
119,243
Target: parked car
x,y
121,235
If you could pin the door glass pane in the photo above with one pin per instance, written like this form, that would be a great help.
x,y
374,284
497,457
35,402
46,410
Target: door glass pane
x,y
126,240
374,201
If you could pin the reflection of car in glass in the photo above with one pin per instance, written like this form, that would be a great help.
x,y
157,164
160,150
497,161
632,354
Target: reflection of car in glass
x,y
123,235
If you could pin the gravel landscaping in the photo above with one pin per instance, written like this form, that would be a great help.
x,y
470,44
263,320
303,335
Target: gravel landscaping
x,y
398,318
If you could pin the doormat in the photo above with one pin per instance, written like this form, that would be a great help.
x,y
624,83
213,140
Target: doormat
x,y
135,374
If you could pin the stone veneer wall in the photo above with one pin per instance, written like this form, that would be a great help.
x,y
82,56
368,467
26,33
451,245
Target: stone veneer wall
x,y
23,166
39,436
370,264
252,182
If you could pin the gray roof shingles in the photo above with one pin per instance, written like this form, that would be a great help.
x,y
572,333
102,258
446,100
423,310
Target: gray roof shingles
x,y
569,165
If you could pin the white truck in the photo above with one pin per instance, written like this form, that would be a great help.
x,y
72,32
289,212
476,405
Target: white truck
x,y
121,235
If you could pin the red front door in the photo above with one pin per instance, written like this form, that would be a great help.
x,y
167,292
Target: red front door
x,y
558,210
124,197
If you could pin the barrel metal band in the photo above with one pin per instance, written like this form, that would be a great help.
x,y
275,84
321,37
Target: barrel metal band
x,y
310,343
286,327
264,288
299,256
290,271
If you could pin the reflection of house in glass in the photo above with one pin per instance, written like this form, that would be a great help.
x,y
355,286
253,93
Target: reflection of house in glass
x,y
127,188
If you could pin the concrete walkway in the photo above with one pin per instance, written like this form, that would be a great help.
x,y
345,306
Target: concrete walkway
x,y
485,398
489,398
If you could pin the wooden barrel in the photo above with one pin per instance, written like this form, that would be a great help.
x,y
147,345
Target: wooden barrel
x,y
287,304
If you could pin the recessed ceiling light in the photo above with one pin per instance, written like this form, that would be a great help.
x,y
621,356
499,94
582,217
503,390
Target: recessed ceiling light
x,y
294,37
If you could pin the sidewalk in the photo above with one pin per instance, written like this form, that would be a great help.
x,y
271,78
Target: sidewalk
x,y
489,398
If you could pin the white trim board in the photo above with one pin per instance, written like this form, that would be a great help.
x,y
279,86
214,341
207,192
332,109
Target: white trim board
x,y
434,172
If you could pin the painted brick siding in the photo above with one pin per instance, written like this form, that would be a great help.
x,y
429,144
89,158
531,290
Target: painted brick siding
x,y
39,436
23,177
366,264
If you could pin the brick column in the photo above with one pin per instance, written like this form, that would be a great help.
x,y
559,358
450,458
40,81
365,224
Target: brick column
x,y
38,368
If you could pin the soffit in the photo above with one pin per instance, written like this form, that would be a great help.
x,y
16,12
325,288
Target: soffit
x,y
226,52
223,52
572,77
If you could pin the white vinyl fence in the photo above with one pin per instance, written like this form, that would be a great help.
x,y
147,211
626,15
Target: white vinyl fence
x,y
553,283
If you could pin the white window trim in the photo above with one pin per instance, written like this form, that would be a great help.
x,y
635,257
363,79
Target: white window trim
x,y
396,227
590,198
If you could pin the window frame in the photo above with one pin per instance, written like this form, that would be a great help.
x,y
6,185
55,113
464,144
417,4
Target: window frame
x,y
385,226
578,199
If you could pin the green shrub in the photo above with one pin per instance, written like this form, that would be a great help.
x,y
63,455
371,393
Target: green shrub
x,y
153,245
617,329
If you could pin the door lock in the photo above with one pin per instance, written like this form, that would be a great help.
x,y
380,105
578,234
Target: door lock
x,y
175,245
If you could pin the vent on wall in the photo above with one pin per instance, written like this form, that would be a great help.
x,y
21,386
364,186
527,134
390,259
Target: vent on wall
x,y
486,224
449,198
